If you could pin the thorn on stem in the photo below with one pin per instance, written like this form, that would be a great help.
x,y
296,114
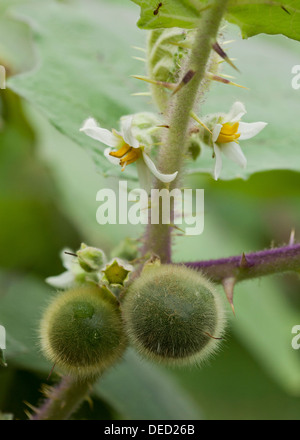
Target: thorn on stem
x,y
140,59
28,414
220,79
292,237
186,79
141,94
166,85
218,49
46,390
197,119
33,408
229,284
244,263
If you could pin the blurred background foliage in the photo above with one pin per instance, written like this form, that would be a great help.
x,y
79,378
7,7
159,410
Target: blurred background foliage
x,y
48,191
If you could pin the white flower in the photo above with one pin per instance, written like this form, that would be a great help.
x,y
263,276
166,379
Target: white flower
x,y
67,279
125,149
226,134
85,267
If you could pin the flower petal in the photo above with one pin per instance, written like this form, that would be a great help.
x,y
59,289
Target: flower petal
x,y
218,164
216,132
67,259
166,178
113,160
91,129
63,281
144,175
234,152
248,131
126,125
236,113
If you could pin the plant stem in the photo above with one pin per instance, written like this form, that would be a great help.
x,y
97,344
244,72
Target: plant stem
x,y
171,157
253,265
63,400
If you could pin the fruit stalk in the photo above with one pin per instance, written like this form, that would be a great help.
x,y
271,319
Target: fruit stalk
x,y
63,400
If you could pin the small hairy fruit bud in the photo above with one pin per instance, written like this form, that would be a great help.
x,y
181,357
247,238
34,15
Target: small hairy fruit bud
x,y
82,331
173,315
90,259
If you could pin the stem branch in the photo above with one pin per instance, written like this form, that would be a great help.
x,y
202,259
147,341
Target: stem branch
x,y
253,265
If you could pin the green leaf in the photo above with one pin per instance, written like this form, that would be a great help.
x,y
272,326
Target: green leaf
x,y
265,16
27,198
68,97
252,16
178,13
16,52
142,391
265,322
21,307
83,69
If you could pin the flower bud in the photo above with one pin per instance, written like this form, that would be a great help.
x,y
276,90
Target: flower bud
x,y
82,331
144,127
90,259
173,315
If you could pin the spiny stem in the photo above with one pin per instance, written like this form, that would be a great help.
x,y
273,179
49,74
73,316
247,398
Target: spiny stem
x,y
252,265
63,400
171,157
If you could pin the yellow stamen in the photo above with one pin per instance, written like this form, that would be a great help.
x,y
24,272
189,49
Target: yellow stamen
x,y
229,133
133,155
121,152
127,155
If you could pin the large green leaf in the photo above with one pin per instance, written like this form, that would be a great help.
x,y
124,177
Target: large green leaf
x,y
252,16
178,13
265,16
136,389
16,52
33,227
83,68
68,92
158,398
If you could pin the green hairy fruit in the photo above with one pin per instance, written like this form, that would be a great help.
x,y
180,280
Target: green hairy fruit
x,y
82,331
173,315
